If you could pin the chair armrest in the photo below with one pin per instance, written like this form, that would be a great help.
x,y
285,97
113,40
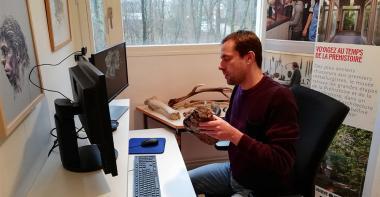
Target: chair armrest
x,y
222,145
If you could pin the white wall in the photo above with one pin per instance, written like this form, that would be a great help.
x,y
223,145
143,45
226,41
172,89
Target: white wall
x,y
165,75
57,77
164,72
24,152
172,72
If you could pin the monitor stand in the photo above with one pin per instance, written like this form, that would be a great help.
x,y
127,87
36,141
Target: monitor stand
x,y
116,111
76,159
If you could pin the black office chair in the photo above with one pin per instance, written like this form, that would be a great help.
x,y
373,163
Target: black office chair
x,y
319,118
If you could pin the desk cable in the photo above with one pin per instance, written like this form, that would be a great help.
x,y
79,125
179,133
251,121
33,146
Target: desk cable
x,y
55,143
82,52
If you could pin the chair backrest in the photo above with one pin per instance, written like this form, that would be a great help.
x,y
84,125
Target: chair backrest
x,y
319,118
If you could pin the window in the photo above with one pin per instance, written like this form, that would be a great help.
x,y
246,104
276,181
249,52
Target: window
x,y
162,22
97,17
168,22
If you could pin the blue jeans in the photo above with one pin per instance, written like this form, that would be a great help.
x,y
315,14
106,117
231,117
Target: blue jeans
x,y
216,180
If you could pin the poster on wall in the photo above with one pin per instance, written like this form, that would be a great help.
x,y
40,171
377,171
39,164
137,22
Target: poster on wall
x,y
345,71
291,25
343,168
17,95
345,55
356,22
288,68
345,58
292,19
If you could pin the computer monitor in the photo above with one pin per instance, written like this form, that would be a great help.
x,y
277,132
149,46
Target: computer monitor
x,y
113,63
91,105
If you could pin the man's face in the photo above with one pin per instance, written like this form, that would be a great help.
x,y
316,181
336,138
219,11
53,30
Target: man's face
x,y
8,61
232,65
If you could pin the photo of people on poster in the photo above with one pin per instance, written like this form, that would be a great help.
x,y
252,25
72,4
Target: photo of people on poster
x,y
346,50
350,22
288,69
292,19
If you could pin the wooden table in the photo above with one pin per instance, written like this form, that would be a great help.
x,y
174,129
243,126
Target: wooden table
x,y
177,125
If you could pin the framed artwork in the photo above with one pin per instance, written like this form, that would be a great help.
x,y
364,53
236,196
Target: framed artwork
x,y
18,95
58,23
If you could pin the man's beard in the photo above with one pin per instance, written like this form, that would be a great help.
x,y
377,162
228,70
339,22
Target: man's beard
x,y
14,80
229,82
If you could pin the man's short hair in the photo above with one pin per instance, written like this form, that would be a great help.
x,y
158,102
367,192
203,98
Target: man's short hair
x,y
246,41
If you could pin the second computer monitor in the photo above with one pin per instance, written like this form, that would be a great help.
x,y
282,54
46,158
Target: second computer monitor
x,y
113,63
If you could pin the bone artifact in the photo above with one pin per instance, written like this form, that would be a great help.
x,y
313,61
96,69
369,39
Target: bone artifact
x,y
157,105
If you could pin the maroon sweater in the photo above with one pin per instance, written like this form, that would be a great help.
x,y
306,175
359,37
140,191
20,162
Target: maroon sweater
x,y
267,115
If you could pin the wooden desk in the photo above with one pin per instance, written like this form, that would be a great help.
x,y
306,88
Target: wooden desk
x,y
177,125
54,180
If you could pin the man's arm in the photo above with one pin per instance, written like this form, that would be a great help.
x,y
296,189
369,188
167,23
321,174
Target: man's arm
x,y
307,25
309,17
279,153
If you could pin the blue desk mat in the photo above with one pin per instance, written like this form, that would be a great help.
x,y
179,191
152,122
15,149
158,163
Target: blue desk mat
x,y
135,148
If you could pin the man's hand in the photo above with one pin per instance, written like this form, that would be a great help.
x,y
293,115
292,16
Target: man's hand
x,y
221,130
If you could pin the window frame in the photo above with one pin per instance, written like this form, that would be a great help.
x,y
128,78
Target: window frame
x,y
163,50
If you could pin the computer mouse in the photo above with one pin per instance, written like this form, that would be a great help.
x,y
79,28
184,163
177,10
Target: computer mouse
x,y
149,142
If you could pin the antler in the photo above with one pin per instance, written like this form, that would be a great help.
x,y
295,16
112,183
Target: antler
x,y
194,91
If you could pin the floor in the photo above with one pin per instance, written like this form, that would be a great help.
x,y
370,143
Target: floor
x,y
348,37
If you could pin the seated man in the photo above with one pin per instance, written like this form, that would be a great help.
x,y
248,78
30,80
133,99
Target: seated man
x,y
261,124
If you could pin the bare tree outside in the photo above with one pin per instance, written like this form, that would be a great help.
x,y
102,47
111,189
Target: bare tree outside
x,y
132,15
97,16
232,25
152,22
144,21
196,6
218,19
